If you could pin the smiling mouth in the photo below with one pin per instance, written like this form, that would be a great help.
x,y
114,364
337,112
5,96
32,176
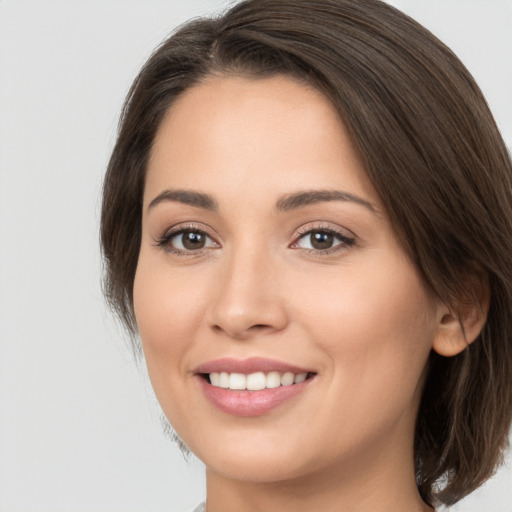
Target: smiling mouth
x,y
255,381
252,387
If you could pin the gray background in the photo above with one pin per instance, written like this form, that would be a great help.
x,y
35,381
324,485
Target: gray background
x,y
79,427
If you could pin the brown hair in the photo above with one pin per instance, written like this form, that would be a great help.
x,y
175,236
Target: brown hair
x,y
433,152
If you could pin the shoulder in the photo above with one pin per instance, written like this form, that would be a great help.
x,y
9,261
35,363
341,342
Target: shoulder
x,y
200,508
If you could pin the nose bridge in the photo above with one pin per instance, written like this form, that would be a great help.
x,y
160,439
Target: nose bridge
x,y
248,298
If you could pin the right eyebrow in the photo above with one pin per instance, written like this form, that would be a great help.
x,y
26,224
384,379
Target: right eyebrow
x,y
309,197
197,199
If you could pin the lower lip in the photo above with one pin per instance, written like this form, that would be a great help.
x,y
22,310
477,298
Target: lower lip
x,y
250,403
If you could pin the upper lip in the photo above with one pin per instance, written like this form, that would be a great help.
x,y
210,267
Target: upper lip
x,y
248,366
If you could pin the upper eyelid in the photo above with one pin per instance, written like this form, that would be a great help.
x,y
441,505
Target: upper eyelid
x,y
178,228
325,226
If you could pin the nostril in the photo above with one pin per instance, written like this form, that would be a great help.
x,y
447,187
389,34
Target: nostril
x,y
241,332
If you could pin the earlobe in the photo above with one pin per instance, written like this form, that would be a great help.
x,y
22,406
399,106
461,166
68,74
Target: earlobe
x,y
457,329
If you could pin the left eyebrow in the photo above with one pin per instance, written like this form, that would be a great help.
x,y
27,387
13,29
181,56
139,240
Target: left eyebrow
x,y
190,197
309,197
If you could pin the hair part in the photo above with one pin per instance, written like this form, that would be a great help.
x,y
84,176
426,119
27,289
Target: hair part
x,y
431,149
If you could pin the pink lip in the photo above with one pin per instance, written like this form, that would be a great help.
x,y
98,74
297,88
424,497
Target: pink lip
x,y
247,366
249,403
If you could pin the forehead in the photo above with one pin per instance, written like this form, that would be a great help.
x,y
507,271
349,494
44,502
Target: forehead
x,y
264,135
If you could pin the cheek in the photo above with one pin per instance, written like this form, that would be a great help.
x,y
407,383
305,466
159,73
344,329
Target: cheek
x,y
167,306
167,310
375,322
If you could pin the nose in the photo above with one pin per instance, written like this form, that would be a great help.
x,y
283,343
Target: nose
x,y
249,300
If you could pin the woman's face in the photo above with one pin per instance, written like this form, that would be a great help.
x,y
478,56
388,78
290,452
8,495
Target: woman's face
x,y
267,253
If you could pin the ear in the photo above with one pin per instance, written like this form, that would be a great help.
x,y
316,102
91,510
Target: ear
x,y
460,324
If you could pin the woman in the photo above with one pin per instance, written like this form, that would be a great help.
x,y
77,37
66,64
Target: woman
x,y
307,217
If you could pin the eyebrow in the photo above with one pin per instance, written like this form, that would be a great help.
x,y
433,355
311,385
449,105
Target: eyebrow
x,y
197,199
285,203
309,197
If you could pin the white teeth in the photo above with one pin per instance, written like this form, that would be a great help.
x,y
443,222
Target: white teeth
x,y
300,377
287,379
273,380
224,380
255,381
237,381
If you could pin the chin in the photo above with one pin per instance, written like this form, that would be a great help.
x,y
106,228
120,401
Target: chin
x,y
274,457
258,468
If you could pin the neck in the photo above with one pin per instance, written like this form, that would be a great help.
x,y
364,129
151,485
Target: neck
x,y
323,493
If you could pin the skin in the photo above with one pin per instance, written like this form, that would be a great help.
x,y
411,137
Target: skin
x,y
359,315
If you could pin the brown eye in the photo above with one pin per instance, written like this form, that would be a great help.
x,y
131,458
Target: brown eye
x,y
187,241
323,240
192,240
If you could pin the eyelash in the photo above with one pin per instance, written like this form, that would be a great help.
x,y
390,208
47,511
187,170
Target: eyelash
x,y
346,240
164,242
